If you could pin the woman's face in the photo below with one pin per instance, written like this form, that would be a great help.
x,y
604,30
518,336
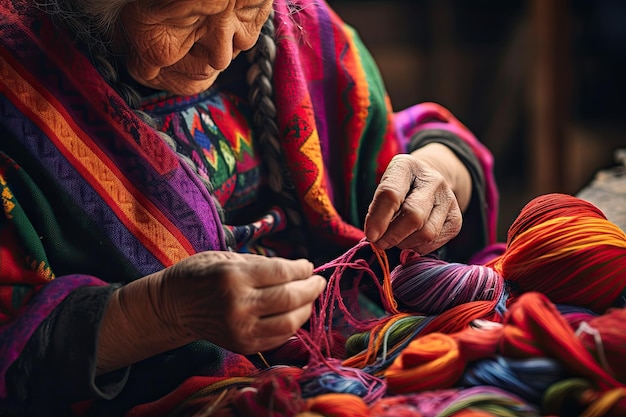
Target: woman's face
x,y
181,46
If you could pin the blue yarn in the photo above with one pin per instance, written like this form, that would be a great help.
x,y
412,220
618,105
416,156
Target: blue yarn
x,y
527,378
500,307
332,382
567,309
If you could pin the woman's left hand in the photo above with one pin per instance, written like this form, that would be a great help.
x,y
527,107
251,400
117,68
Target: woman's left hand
x,y
414,207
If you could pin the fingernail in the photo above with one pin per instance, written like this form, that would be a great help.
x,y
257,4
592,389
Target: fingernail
x,y
382,244
372,235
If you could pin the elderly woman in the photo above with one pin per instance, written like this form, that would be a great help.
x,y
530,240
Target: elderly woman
x,y
171,172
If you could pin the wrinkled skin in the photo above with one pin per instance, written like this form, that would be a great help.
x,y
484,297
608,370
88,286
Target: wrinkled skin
x,y
245,303
181,46
242,302
414,206
249,303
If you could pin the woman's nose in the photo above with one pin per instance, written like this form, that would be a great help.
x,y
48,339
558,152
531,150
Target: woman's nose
x,y
222,42
216,47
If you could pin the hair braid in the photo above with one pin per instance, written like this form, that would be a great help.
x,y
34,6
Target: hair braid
x,y
93,21
259,78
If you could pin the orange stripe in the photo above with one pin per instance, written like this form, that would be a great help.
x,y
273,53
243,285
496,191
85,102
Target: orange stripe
x,y
141,218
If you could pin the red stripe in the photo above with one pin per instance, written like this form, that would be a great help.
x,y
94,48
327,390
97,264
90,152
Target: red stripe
x,y
153,247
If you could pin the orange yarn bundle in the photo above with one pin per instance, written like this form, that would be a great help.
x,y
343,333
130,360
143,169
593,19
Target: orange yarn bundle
x,y
480,340
429,362
565,247
458,318
338,405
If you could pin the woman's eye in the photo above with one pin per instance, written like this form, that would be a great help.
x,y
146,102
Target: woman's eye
x,y
249,13
184,23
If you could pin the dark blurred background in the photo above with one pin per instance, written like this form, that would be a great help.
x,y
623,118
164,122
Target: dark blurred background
x,y
540,82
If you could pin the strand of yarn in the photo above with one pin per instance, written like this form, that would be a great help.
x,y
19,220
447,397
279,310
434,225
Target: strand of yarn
x,y
321,321
326,375
338,379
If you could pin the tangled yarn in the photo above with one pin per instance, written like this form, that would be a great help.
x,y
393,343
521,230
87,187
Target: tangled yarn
x,y
538,330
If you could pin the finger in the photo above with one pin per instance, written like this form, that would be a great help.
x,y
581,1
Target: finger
x,y
280,299
435,233
414,214
267,272
274,330
388,197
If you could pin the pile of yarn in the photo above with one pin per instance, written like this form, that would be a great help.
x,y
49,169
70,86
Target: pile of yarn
x,y
540,330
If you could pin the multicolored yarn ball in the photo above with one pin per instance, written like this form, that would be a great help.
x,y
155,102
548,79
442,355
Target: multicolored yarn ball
x,y
565,248
432,286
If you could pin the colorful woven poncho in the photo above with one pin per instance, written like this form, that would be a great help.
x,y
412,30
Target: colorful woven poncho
x,y
92,196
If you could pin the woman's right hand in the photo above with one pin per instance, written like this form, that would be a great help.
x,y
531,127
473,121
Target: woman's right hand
x,y
242,302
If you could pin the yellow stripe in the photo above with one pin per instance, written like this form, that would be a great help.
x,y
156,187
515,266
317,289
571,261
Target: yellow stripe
x,y
136,216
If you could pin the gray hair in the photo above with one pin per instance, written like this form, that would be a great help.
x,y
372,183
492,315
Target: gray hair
x,y
93,21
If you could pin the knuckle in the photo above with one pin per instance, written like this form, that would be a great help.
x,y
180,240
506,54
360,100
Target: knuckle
x,y
389,192
429,233
412,216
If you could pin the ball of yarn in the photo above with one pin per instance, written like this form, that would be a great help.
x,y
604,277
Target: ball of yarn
x,y
527,378
432,286
551,206
564,247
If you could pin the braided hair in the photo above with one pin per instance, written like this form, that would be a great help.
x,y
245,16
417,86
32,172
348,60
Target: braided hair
x,y
259,78
93,22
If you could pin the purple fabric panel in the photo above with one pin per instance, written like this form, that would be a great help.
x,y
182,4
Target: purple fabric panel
x,y
77,188
16,333
179,195
204,209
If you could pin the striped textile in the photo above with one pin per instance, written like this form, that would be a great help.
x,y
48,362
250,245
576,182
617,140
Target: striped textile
x,y
92,195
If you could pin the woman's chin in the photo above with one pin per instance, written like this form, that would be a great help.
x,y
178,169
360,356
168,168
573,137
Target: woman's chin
x,y
183,86
191,87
